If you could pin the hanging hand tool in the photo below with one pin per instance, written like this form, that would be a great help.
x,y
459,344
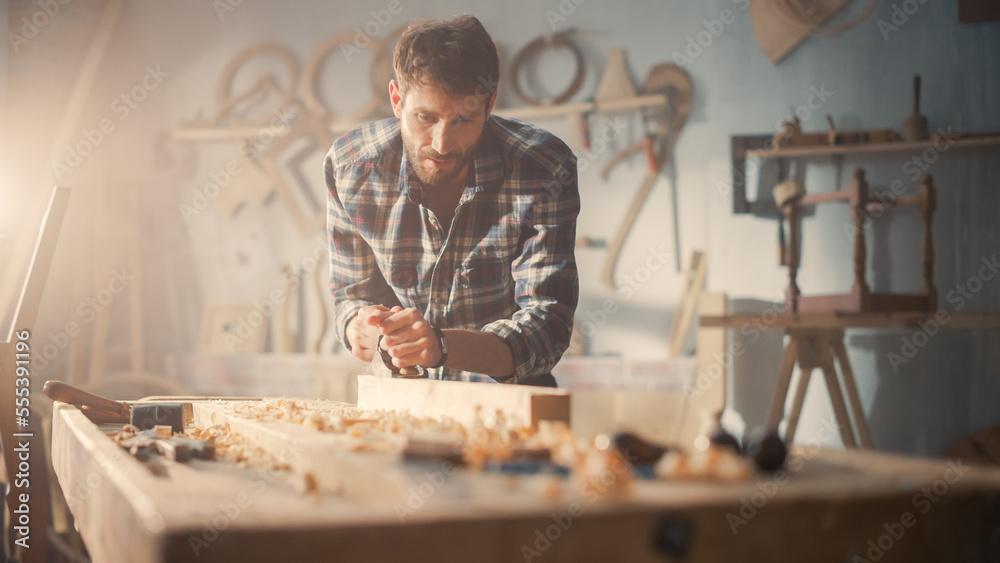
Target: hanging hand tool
x,y
662,128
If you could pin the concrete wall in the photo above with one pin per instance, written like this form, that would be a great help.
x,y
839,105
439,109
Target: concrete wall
x,y
948,390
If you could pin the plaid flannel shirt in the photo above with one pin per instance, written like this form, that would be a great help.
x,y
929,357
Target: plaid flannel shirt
x,y
505,266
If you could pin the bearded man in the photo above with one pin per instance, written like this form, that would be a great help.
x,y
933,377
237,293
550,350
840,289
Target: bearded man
x,y
452,230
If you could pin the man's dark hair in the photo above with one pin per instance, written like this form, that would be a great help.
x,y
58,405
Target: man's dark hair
x,y
457,55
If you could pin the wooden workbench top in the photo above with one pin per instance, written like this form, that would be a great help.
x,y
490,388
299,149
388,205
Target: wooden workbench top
x,y
825,506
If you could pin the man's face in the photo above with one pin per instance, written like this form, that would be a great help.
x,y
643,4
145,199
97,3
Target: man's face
x,y
440,131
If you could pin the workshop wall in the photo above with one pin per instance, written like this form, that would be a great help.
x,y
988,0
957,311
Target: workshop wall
x,y
862,78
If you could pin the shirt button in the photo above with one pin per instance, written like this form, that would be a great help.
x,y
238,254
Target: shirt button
x,y
433,221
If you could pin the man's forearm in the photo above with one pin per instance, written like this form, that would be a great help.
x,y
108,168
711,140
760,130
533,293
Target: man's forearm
x,y
479,352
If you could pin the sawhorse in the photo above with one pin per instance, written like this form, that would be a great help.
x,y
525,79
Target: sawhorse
x,y
811,348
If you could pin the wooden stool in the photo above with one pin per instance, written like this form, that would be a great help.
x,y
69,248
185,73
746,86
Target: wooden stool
x,y
811,348
864,209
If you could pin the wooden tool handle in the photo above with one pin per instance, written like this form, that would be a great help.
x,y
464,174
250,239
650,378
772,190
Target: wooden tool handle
x,y
615,250
59,391
651,159
101,416
916,94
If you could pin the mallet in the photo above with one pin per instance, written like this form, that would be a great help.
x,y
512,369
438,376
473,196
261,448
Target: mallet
x,y
101,410
915,125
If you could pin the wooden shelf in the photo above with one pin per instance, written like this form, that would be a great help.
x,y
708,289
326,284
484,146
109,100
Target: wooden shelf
x,y
571,110
824,150
575,111
893,320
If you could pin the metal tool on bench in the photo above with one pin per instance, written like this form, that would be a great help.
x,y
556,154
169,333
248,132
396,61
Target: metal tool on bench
x,y
101,410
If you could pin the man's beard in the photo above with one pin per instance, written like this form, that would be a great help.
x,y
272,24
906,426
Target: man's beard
x,y
434,178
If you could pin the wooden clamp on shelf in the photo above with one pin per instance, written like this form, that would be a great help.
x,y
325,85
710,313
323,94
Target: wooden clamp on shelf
x,y
745,148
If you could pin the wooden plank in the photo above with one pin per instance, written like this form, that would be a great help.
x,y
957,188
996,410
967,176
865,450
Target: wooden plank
x,y
851,390
326,457
868,148
25,314
825,360
710,364
694,279
41,259
986,320
803,351
463,401
776,411
340,126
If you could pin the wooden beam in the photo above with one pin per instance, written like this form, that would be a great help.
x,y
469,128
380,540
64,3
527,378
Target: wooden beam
x,y
868,148
986,320
521,404
694,279
12,420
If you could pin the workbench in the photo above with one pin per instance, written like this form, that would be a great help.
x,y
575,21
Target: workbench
x,y
826,505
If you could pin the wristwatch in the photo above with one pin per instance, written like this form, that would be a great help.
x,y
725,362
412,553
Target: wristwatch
x,y
444,348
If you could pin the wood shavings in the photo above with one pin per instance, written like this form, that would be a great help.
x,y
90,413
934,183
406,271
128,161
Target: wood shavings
x,y
712,464
233,448
306,484
605,474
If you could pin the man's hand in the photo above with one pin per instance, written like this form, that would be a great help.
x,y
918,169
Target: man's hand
x,y
363,330
409,339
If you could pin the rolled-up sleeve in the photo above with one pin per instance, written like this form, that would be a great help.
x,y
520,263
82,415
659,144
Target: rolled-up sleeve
x,y
546,280
355,279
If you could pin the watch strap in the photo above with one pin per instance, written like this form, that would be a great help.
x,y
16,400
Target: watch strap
x,y
444,348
